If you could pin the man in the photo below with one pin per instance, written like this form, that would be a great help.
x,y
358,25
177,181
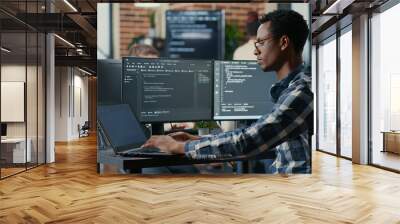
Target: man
x,y
278,47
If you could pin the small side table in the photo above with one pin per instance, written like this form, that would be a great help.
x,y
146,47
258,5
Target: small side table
x,y
391,141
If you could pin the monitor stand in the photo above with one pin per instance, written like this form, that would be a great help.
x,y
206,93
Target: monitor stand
x,y
157,128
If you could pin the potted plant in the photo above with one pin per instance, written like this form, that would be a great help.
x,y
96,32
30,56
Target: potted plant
x,y
233,37
152,28
204,127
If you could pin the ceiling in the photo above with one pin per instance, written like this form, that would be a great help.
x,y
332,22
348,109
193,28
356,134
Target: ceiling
x,y
76,22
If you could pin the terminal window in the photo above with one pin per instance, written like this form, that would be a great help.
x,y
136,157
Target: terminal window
x,y
241,90
163,90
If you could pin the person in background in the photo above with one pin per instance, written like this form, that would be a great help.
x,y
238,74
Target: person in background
x,y
246,51
143,51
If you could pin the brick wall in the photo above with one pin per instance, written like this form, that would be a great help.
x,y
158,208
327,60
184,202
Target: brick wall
x,y
135,21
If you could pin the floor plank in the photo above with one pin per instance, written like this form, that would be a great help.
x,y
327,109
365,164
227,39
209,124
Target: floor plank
x,y
70,191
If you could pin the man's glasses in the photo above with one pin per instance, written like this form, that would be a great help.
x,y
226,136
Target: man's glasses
x,y
261,42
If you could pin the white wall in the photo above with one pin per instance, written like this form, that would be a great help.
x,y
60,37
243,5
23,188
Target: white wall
x,y
13,101
71,87
15,73
50,95
103,41
79,117
33,106
61,103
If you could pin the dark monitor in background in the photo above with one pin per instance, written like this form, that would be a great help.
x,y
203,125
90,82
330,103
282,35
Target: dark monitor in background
x,y
195,34
241,90
109,78
3,129
165,90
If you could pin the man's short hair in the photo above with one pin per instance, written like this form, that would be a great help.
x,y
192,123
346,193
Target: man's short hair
x,y
290,23
143,50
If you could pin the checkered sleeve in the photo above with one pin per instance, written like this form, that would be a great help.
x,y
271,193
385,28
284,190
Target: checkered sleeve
x,y
287,120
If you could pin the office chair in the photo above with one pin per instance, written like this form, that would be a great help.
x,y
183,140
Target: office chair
x,y
84,130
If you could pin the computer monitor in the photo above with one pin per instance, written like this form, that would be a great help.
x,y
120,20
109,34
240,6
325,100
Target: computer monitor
x,y
195,34
165,90
109,78
241,90
3,130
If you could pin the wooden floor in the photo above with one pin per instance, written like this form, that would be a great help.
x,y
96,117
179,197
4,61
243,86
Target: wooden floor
x,y
70,191
386,159
5,172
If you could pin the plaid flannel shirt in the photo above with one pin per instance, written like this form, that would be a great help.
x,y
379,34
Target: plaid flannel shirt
x,y
286,129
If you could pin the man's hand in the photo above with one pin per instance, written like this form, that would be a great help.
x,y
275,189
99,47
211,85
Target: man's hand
x,y
178,126
165,144
183,136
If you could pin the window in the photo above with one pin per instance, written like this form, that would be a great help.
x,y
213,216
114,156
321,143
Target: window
x,y
385,88
22,77
346,92
327,96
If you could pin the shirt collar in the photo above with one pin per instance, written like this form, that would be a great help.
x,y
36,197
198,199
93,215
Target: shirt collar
x,y
278,87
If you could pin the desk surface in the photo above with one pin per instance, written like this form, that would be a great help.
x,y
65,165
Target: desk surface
x,y
107,156
13,140
390,132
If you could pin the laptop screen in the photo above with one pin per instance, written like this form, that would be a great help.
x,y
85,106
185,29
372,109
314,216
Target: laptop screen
x,y
120,126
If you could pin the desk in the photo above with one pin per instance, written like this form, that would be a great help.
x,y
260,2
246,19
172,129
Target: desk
x,y
391,141
13,150
135,164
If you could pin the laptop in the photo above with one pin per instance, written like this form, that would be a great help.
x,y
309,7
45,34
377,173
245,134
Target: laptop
x,y
124,133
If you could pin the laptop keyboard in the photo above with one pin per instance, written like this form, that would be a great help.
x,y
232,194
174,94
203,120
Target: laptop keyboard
x,y
138,151
148,150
